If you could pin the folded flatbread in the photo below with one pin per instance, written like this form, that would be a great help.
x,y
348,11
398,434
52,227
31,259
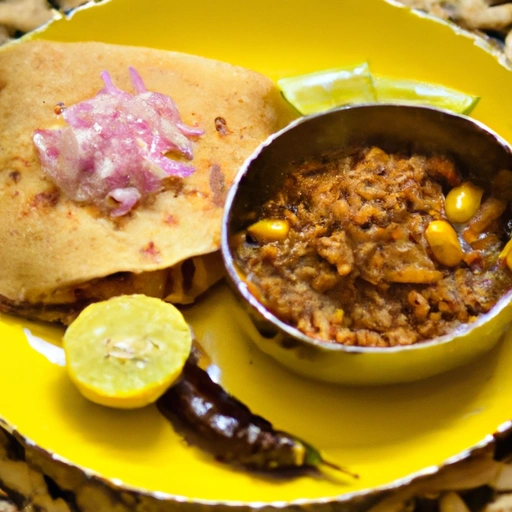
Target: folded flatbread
x,y
56,254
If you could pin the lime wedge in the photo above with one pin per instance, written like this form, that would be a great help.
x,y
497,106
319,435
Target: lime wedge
x,y
125,352
391,90
324,90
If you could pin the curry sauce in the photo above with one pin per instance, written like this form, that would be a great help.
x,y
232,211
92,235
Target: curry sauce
x,y
357,248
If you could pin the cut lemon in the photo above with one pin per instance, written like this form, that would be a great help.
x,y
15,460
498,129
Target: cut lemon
x,y
125,352
324,90
390,90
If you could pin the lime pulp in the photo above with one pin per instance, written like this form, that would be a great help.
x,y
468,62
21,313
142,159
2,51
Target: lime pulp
x,y
324,90
125,352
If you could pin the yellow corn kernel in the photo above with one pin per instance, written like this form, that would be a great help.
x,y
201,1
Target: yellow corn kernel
x,y
339,315
462,202
269,230
444,243
506,250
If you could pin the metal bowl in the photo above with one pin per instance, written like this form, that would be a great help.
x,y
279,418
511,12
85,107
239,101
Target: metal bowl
x,y
478,152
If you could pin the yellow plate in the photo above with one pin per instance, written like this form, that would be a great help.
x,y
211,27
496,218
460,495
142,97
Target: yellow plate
x,y
385,434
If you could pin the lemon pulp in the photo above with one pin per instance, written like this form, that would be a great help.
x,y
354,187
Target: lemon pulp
x,y
323,90
126,351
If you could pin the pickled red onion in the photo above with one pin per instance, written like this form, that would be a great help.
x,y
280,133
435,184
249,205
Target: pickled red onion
x,y
112,151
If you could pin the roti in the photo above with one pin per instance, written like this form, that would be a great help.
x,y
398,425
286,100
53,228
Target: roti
x,y
59,254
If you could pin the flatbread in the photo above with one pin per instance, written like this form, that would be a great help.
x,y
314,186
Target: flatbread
x,y
50,244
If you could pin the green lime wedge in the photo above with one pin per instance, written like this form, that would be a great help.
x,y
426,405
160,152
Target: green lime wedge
x,y
324,90
390,90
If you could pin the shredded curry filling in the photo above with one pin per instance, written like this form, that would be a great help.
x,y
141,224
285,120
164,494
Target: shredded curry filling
x,y
180,284
358,249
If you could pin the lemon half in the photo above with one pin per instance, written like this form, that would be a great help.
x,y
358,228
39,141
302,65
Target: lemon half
x,y
125,352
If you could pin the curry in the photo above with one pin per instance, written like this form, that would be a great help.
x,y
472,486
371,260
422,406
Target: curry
x,y
368,248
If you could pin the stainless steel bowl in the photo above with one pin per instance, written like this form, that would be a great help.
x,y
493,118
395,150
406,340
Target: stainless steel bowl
x,y
479,153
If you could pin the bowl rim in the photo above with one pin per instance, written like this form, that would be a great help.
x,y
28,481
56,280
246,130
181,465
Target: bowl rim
x,y
329,345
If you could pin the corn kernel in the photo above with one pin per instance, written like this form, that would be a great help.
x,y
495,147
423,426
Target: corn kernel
x,y
339,316
506,250
444,243
269,230
462,202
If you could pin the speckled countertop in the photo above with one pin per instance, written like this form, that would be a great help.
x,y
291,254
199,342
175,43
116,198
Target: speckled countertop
x,y
490,18
20,16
